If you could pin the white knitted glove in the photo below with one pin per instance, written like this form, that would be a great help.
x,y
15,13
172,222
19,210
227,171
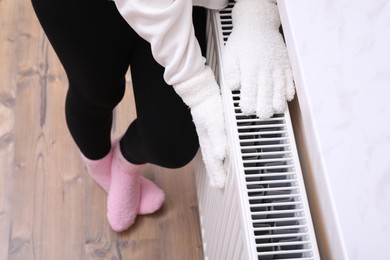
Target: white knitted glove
x,y
255,59
201,93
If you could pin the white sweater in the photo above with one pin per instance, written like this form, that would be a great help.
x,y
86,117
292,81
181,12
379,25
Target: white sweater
x,y
167,26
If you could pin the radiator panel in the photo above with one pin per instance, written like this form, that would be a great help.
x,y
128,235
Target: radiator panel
x,y
263,212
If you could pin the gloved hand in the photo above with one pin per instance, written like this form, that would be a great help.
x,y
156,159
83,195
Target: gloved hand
x,y
255,59
201,93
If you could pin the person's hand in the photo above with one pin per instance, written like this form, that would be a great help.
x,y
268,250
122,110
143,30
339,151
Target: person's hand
x,y
255,59
201,93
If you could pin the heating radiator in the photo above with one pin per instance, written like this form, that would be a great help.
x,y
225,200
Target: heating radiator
x,y
263,211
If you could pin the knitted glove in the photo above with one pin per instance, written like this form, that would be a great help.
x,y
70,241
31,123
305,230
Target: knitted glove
x,y
201,94
255,59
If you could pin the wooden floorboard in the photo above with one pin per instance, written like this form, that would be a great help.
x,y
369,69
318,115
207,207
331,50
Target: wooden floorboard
x,y
49,207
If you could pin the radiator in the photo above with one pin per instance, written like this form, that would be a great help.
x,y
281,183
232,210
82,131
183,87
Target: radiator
x,y
263,212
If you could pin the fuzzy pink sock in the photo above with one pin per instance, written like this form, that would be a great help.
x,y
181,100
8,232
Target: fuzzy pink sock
x,y
100,170
152,197
125,192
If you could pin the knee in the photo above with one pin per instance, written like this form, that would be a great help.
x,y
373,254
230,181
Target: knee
x,y
98,93
173,154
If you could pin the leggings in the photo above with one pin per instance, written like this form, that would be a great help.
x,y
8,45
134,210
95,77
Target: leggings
x,y
96,47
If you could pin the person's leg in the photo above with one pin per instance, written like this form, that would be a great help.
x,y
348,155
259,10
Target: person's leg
x,y
163,133
93,43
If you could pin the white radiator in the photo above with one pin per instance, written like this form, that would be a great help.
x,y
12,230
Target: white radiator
x,y
263,211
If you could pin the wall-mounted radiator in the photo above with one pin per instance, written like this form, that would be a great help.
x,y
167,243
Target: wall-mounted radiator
x,y
263,211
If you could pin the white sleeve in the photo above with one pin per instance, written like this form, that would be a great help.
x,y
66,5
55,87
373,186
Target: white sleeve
x,y
167,26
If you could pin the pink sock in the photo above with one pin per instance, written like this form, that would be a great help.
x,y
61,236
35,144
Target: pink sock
x,y
100,170
152,197
125,192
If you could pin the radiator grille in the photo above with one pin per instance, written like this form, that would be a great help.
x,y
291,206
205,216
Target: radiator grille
x,y
274,204
275,201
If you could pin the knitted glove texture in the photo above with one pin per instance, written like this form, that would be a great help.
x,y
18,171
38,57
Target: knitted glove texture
x,y
201,93
255,59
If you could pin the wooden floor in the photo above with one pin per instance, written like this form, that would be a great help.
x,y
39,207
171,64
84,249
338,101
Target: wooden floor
x,y
49,207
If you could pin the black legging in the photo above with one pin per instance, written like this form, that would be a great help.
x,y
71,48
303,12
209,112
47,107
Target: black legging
x,y
96,46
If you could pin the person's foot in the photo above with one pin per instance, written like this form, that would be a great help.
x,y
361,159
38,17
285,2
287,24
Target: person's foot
x,y
152,197
125,192
100,170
